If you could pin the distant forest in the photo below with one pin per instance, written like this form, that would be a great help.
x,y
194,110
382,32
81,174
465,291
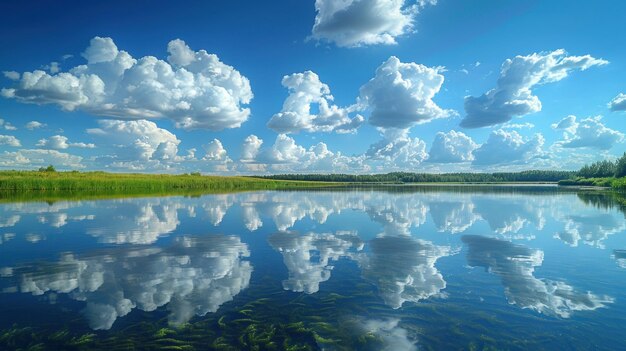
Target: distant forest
x,y
408,177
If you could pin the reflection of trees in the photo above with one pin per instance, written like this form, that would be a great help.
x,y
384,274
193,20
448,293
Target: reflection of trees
x,y
308,257
194,276
594,220
606,200
515,265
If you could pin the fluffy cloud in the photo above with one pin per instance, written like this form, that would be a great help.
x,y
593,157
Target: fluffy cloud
x,y
618,103
400,95
452,147
194,89
32,125
513,96
216,157
515,265
31,158
250,148
286,155
284,150
589,132
215,151
6,125
12,75
306,89
60,142
397,150
139,140
508,147
9,140
352,23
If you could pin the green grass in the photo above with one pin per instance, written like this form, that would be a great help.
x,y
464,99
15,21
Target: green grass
x,y
579,181
619,184
29,181
609,182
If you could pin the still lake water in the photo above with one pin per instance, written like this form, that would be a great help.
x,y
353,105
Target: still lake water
x,y
370,269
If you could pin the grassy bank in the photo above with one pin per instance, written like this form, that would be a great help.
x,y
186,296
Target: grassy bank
x,y
579,181
608,182
28,181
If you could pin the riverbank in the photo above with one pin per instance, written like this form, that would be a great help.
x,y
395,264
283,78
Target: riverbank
x,y
606,182
30,181
39,185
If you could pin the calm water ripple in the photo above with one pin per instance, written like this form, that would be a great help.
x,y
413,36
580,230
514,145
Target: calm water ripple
x,y
369,269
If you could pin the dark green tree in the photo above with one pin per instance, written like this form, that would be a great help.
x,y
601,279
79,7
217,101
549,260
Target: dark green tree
x,y
620,166
50,168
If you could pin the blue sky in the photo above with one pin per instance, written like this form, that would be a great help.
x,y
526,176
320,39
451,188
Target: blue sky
x,y
370,85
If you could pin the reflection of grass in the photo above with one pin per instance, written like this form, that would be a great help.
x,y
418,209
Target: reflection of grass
x,y
29,185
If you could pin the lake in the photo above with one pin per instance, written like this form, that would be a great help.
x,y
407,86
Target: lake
x,y
389,268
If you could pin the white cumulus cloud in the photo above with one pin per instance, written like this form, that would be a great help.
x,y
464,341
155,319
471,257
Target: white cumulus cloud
x,y
286,155
32,125
618,103
513,95
6,125
250,148
401,95
306,90
31,158
59,142
137,144
216,157
350,23
452,147
193,88
397,150
508,147
589,132
10,140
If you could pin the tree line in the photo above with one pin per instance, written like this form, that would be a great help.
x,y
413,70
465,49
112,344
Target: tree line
x,y
409,177
604,169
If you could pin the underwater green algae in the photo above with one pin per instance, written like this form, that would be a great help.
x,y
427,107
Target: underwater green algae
x,y
297,321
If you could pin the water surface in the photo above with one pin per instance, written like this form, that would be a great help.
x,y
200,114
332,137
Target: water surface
x,y
392,268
